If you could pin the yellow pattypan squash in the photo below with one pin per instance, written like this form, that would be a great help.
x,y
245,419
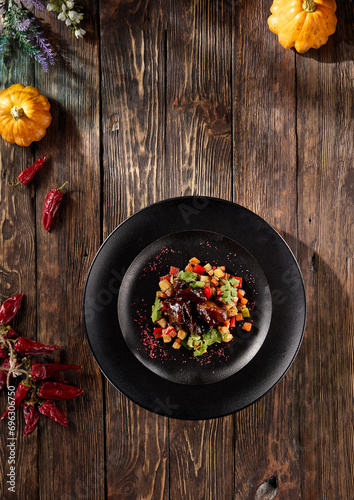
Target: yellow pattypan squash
x,y
303,24
24,114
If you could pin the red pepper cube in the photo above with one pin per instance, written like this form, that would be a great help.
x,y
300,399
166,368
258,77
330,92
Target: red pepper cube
x,y
167,277
174,271
199,269
207,291
172,332
219,291
232,321
158,333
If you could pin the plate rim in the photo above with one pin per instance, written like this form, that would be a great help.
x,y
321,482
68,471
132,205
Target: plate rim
x,y
231,204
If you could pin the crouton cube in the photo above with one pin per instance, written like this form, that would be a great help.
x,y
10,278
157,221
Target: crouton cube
x,y
194,261
176,344
162,322
164,285
232,312
181,334
219,273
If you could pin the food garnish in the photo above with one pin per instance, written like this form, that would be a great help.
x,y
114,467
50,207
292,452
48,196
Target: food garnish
x,y
198,306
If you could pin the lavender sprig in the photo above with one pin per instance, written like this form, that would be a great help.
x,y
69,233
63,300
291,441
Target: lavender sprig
x,y
19,24
36,3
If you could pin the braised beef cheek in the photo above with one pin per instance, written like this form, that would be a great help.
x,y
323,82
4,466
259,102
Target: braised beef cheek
x,y
190,305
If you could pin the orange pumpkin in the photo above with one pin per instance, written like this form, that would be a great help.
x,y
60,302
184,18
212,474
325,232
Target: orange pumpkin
x,y
24,114
303,24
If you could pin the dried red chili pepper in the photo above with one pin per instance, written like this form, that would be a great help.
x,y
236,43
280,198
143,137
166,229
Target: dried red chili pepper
x,y
3,373
40,371
28,173
20,394
31,415
49,409
28,347
51,204
56,390
10,308
59,378
11,334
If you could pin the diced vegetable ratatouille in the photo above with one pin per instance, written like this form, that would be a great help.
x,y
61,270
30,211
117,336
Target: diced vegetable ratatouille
x,y
197,306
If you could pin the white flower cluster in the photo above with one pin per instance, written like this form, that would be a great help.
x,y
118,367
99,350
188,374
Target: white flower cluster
x,y
68,14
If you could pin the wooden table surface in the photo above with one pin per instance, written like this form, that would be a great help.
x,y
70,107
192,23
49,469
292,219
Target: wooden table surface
x,y
164,98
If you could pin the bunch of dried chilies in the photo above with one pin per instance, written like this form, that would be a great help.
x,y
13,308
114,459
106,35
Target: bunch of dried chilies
x,y
42,384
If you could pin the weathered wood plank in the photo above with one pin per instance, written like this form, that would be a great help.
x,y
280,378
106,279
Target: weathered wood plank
x,y
326,230
133,124
199,158
17,274
71,460
198,93
267,438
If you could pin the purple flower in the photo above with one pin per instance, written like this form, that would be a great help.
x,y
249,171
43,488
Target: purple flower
x,y
45,47
42,60
24,25
37,4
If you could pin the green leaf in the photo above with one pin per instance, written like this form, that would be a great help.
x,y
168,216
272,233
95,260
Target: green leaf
x,y
202,349
193,340
155,310
187,276
229,293
211,337
197,284
185,344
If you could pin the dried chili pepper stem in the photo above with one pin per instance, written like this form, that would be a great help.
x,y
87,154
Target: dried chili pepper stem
x,y
14,185
61,187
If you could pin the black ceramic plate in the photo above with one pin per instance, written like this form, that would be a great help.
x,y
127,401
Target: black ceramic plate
x,y
121,285
140,284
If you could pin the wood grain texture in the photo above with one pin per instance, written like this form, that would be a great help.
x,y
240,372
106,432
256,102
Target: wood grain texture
x,y
71,460
199,158
265,173
174,97
17,273
198,98
133,133
326,235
